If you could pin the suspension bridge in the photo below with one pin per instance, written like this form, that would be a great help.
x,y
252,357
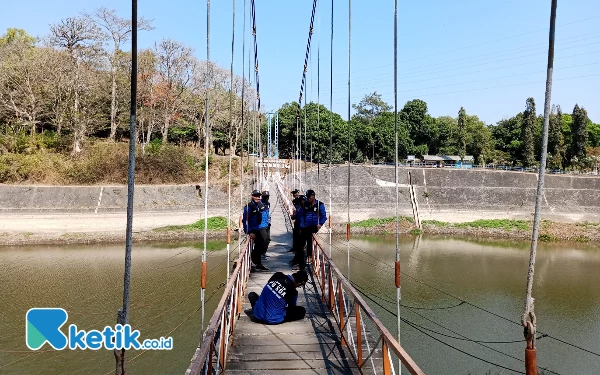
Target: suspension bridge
x,y
341,334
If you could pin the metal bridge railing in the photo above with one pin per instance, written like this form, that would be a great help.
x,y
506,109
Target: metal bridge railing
x,y
211,356
350,311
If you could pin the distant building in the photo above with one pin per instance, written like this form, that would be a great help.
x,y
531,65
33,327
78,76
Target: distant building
x,y
448,161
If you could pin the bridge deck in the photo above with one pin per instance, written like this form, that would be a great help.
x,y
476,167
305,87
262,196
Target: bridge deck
x,y
308,346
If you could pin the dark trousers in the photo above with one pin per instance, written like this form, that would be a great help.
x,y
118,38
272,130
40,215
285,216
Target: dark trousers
x,y
267,238
305,241
296,235
260,245
291,312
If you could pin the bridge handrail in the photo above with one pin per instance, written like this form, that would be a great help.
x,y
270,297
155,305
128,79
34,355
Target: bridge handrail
x,y
323,265
221,325
324,270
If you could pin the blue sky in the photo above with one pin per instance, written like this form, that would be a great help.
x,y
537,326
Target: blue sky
x,y
483,55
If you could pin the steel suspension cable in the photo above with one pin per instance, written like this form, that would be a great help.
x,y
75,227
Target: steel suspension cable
x,y
528,319
206,107
349,128
242,130
397,264
318,104
123,313
304,144
302,88
330,127
230,139
257,116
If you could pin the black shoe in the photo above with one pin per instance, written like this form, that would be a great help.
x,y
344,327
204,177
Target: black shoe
x,y
261,268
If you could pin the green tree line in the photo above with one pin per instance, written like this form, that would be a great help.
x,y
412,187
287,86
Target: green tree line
x,y
573,141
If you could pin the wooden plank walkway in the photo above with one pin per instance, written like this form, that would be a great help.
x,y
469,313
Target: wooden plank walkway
x,y
308,346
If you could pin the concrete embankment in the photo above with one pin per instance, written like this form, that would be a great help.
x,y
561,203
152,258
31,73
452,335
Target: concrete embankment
x,y
455,195
50,214
89,214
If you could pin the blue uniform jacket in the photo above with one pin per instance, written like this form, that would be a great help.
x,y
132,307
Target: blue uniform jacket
x,y
266,214
298,217
253,217
312,215
279,293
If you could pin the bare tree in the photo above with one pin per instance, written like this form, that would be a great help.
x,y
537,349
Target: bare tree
x,y
147,97
118,30
175,64
81,38
23,70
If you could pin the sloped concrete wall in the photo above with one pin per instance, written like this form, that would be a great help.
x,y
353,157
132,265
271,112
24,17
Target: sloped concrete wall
x,y
456,195
22,198
442,194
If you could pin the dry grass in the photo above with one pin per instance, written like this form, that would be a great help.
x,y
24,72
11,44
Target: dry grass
x,y
107,163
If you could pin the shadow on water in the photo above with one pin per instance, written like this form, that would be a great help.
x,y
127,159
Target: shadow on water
x,y
87,281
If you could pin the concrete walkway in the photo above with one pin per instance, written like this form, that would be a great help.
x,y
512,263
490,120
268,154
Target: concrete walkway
x,y
308,346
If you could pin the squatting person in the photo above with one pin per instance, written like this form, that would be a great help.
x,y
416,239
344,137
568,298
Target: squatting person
x,y
277,302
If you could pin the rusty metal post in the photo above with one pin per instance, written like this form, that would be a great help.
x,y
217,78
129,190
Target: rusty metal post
x,y
341,310
222,341
322,265
387,366
209,359
358,335
331,294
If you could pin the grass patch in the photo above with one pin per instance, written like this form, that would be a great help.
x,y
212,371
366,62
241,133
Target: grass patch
x,y
587,224
581,239
375,222
416,232
214,223
436,223
505,224
546,237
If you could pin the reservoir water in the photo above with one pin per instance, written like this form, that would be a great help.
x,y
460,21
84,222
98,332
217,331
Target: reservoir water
x,y
462,301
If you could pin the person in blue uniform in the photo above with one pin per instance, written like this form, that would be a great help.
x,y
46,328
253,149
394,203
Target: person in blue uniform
x,y
255,226
313,216
266,216
296,230
277,302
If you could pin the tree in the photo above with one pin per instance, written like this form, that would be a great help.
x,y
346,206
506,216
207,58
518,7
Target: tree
x,y
507,137
175,66
419,124
527,133
23,76
81,39
555,139
593,131
118,30
369,107
462,133
479,141
579,133
17,36
446,141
